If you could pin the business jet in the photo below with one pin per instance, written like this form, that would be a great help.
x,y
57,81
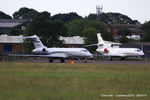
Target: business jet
x,y
110,51
56,53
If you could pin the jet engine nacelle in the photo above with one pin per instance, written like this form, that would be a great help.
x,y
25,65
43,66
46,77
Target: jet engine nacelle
x,y
44,50
40,50
104,50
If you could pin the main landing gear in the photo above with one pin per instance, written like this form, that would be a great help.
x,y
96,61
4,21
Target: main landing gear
x,y
121,58
51,60
62,60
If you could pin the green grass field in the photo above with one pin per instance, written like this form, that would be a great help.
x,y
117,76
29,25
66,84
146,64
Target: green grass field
x,y
43,81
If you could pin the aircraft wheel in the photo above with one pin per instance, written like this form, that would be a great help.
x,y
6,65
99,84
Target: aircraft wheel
x,y
110,58
51,60
142,58
122,58
62,60
85,61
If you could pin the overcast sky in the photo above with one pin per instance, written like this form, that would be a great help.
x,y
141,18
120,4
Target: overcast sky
x,y
135,9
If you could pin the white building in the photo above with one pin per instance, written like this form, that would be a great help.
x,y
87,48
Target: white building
x,y
134,37
75,41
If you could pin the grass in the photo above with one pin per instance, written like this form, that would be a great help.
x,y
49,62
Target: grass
x,y
43,81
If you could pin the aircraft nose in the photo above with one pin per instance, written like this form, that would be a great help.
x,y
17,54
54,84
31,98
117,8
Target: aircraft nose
x,y
143,53
90,55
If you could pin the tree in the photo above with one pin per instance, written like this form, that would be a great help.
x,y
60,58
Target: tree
x,y
49,31
15,31
94,24
76,27
45,14
26,13
117,18
146,37
106,36
92,17
146,28
4,16
113,18
56,29
66,17
124,39
90,35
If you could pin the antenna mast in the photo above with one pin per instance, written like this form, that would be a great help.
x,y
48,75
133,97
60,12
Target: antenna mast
x,y
99,12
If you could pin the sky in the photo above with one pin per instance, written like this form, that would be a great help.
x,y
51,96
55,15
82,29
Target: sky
x,y
135,9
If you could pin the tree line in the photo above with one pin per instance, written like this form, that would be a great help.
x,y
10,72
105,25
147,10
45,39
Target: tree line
x,y
70,24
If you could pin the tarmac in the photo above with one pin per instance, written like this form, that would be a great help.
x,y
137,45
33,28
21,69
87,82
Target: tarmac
x,y
88,62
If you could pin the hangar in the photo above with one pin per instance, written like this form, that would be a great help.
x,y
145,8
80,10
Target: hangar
x,y
11,44
72,42
8,24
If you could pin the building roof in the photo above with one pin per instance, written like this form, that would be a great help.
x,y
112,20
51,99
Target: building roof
x,y
12,20
134,28
10,23
11,39
72,40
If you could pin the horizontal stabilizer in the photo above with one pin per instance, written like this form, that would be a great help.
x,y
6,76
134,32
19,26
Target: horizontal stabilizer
x,y
90,45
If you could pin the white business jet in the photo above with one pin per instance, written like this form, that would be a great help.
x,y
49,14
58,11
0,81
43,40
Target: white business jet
x,y
56,53
110,51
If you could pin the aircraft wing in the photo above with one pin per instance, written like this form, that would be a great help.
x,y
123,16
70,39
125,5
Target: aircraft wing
x,y
90,45
115,55
53,55
122,55
58,55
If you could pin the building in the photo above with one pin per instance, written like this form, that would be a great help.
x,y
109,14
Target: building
x,y
134,37
77,41
73,42
11,44
7,24
117,30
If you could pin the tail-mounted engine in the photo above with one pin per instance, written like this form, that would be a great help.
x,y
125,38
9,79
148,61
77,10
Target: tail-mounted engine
x,y
44,51
40,51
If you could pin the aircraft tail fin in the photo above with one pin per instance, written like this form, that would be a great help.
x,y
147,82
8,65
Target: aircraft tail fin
x,y
36,41
100,40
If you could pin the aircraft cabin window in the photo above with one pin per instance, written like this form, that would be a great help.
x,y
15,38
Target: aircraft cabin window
x,y
85,50
138,50
100,44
